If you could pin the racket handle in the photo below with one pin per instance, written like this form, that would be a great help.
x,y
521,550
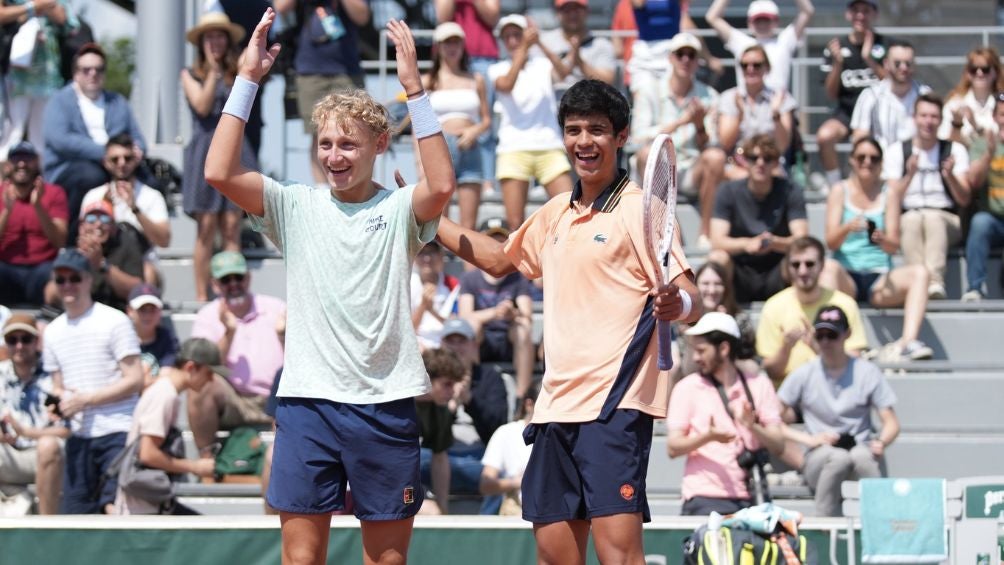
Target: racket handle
x,y
665,345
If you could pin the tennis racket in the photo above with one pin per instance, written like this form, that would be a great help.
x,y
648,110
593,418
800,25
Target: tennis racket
x,y
659,221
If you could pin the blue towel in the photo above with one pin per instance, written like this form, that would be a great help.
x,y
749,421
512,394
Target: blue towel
x,y
903,521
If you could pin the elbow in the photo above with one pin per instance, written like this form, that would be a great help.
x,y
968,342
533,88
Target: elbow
x,y
674,451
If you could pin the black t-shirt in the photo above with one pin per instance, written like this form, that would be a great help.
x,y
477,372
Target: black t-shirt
x,y
749,217
489,405
435,426
124,250
855,75
487,295
163,348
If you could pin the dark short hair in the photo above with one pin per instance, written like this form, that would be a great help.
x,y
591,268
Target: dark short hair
x,y
122,140
930,98
89,48
900,43
592,97
870,141
440,363
758,49
805,242
717,338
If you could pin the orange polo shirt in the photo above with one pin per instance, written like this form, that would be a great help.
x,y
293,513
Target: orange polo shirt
x,y
600,346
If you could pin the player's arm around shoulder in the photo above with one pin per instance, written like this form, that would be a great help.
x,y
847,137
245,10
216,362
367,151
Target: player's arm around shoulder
x,y
223,170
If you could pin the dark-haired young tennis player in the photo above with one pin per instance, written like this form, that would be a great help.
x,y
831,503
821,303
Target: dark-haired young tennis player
x,y
592,424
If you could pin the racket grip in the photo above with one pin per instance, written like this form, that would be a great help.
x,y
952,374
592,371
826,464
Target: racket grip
x,y
665,345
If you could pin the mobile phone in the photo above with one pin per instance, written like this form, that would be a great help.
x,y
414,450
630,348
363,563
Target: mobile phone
x,y
845,441
53,400
871,230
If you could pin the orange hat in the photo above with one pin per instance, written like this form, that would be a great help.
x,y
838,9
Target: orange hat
x,y
560,3
101,206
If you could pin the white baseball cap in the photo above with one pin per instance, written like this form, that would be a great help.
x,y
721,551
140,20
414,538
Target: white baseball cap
x,y
447,30
683,40
715,322
512,19
762,8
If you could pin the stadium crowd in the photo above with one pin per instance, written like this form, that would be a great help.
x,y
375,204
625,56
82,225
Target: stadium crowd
x,y
92,368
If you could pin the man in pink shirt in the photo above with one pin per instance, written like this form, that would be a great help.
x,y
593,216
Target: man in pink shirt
x,y
716,415
250,330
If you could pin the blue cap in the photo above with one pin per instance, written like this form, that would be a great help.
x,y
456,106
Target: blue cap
x,y
71,258
22,148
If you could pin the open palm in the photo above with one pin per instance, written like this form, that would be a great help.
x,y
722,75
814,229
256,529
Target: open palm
x,y
258,57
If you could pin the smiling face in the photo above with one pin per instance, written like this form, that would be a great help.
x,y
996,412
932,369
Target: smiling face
x,y
763,26
452,49
120,162
899,64
572,18
684,62
591,145
982,72
347,155
927,118
73,287
512,36
712,289
22,347
861,15
89,74
804,267
754,67
866,162
22,170
706,356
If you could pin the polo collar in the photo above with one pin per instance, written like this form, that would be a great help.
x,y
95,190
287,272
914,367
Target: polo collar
x,y
611,195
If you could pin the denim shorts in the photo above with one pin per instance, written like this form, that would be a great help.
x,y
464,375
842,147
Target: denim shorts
x,y
467,163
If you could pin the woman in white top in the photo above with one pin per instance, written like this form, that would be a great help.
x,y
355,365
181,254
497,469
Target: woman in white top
x,y
969,110
460,100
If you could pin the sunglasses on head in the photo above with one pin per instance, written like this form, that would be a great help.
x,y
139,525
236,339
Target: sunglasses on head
x,y
103,218
26,339
753,66
72,279
867,159
232,278
826,334
800,264
982,69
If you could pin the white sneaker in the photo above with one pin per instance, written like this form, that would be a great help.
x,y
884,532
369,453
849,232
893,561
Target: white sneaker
x,y
917,350
972,296
936,291
703,243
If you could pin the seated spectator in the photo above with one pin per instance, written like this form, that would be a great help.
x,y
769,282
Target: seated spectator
x,y
929,177
836,394
885,110
31,447
434,295
969,107
79,120
862,229
505,460
33,226
715,415
157,342
686,109
530,143
584,54
762,17
249,329
986,229
482,395
155,421
501,312
759,110
754,222
435,420
851,63
784,335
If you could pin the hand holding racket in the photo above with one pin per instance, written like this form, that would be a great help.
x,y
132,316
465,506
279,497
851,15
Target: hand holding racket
x,y
659,222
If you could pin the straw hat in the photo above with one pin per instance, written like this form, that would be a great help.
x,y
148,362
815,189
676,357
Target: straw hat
x,y
215,20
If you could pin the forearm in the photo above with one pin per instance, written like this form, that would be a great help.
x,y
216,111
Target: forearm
x,y
35,433
770,437
357,10
224,342
832,82
798,436
959,189
54,231
731,245
476,248
497,485
777,363
440,471
445,10
201,96
683,444
158,233
561,68
488,11
782,131
120,281
4,220
506,82
977,172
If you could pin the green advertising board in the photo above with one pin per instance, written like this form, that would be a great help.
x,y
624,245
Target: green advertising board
x,y
985,501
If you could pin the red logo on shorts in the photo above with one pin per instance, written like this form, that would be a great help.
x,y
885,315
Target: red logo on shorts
x,y
627,491
409,495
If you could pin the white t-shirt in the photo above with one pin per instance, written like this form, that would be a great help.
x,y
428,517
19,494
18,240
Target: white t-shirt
x,y
156,412
93,113
926,189
598,51
87,351
150,201
444,303
529,112
780,50
507,452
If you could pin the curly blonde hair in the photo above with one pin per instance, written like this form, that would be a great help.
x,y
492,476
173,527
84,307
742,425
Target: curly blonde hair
x,y
345,106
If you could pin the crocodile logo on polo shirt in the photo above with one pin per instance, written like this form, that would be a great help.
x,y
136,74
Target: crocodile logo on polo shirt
x,y
600,238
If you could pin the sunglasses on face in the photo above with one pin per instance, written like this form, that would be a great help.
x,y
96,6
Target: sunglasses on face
x,y
753,66
232,279
799,264
121,158
88,70
867,159
13,340
760,157
685,54
72,279
103,218
982,69
904,64
822,335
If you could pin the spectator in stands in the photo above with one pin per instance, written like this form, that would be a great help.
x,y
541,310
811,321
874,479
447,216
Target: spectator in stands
x,y
686,109
501,312
885,110
851,63
760,110
155,420
31,449
836,395
327,55
92,353
530,145
986,229
657,23
624,21
157,342
79,120
207,85
435,421
862,229
506,457
784,335
33,226
762,16
434,295
460,101
754,222
584,54
929,177
715,415
969,107
249,328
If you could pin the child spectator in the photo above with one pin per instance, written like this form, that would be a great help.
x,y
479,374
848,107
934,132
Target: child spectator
x,y
157,342
435,420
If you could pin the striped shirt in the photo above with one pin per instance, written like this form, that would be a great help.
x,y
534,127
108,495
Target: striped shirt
x,y
87,350
884,115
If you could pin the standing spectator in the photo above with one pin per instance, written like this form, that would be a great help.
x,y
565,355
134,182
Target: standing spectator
x,y
249,329
92,353
759,110
762,16
885,110
657,21
862,229
929,176
79,120
507,455
31,449
156,417
434,295
158,343
207,85
969,107
784,335
435,421
851,63
717,414
836,394
530,145
623,22
327,56
33,226
986,229
584,55
686,109
501,311
755,221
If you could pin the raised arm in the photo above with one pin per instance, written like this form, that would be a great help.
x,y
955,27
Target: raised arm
x,y
805,12
520,55
715,19
478,249
357,10
224,171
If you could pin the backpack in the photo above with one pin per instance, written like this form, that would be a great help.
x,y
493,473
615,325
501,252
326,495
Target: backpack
x,y
135,479
944,152
242,454
744,547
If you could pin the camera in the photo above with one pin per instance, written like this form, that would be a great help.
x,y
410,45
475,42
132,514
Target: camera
x,y
747,459
753,463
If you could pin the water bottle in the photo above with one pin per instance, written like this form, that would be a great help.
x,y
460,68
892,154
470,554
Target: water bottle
x,y
332,25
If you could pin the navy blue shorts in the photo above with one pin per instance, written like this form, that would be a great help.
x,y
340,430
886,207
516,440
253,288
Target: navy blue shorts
x,y
581,471
864,283
320,445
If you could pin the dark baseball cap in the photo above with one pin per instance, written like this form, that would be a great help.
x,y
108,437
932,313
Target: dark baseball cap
x,y
143,294
71,258
203,352
872,3
831,318
24,148
493,226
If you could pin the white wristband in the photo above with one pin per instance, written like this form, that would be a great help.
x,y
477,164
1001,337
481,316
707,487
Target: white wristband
x,y
424,122
241,99
688,304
